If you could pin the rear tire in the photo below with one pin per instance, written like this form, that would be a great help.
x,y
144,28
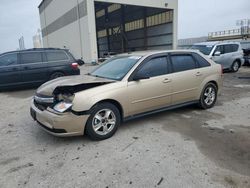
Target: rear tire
x,y
56,75
103,122
208,96
235,66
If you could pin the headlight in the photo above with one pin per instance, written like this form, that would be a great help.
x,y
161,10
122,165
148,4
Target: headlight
x,y
62,106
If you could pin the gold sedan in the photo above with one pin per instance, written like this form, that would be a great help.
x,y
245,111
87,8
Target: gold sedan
x,y
125,87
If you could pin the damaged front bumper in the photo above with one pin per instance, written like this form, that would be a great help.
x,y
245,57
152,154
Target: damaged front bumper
x,y
59,124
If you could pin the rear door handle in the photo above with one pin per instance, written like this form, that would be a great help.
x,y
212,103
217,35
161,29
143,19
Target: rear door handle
x,y
198,74
166,80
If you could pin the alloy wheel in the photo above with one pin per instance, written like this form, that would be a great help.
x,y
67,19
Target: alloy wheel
x,y
209,95
104,122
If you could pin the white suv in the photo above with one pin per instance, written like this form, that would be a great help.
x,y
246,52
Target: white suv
x,y
228,54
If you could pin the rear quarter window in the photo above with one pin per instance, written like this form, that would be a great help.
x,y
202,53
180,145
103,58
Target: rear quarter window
x,y
201,61
57,56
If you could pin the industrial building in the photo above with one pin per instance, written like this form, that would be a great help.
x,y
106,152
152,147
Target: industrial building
x,y
91,28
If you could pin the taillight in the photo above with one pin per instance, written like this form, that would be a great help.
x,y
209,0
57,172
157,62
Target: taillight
x,y
74,66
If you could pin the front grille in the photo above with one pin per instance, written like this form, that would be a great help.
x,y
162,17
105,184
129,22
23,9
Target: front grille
x,y
43,102
41,107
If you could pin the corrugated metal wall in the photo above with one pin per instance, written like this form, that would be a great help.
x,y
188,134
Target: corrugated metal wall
x,y
143,28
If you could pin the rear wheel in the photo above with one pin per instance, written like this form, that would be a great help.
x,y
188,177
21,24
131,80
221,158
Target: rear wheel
x,y
103,121
56,75
209,96
235,66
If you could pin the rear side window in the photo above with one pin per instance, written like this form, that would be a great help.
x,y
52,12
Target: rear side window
x,y
31,57
57,56
201,61
228,48
155,67
8,59
182,63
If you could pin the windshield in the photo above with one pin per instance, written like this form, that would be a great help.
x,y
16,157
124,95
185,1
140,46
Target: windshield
x,y
203,49
116,68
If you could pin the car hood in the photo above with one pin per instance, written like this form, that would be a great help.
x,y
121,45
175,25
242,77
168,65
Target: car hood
x,y
71,84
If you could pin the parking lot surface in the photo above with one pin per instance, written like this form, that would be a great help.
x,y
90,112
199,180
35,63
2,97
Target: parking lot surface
x,y
187,147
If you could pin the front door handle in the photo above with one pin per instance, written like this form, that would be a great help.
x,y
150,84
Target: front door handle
x,y
166,80
198,74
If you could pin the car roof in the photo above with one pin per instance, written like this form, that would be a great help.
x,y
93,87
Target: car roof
x,y
152,52
34,49
216,42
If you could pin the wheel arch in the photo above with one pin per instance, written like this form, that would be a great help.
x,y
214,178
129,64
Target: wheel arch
x,y
238,60
56,71
214,82
114,102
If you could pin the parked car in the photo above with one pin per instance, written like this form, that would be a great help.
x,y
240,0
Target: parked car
x,y
246,57
35,66
125,87
228,54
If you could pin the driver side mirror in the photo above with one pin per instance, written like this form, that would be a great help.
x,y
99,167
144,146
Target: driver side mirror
x,y
217,53
140,76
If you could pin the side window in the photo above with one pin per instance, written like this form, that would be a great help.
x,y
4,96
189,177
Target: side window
x,y
182,63
228,48
235,47
219,49
8,59
201,61
56,56
30,57
155,67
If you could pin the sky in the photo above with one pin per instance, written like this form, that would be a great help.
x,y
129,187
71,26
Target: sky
x,y
196,18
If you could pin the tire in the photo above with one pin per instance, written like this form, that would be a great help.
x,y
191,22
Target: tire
x,y
235,66
208,96
106,118
56,75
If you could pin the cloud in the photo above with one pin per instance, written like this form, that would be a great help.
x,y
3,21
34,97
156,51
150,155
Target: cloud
x,y
18,18
198,17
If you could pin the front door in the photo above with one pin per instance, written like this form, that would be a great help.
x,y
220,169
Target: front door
x,y
152,93
225,56
9,70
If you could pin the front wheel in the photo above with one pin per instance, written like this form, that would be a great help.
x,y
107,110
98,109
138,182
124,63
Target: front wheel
x,y
208,96
103,121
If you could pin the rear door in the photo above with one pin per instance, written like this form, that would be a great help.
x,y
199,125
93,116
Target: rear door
x,y
237,52
33,67
184,75
9,70
58,61
153,93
